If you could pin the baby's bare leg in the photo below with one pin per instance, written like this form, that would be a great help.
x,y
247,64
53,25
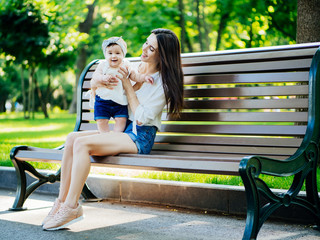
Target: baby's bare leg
x,y
103,125
120,124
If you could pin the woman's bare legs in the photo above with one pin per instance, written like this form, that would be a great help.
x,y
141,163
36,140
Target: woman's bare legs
x,y
105,144
75,170
67,162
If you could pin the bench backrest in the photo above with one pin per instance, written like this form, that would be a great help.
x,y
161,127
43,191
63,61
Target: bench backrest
x,y
244,102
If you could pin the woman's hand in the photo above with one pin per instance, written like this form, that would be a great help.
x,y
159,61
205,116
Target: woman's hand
x,y
124,76
131,95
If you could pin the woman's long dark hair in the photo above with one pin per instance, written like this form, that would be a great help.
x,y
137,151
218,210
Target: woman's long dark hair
x,y
170,69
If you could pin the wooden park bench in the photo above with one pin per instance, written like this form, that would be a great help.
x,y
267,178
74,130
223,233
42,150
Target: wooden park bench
x,y
247,112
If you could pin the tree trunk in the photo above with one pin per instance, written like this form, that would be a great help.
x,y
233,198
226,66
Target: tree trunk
x,y
199,25
23,90
182,26
30,90
188,41
222,25
205,27
32,74
43,102
308,21
84,27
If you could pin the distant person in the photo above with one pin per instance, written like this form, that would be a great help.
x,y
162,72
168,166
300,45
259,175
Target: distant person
x,y
160,59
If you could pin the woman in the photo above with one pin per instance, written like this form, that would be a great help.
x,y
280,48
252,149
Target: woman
x,y
161,59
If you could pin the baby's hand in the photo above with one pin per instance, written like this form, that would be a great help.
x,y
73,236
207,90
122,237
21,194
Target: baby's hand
x,y
109,81
148,79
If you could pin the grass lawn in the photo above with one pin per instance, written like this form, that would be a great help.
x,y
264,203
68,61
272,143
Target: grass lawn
x,y
38,132
51,133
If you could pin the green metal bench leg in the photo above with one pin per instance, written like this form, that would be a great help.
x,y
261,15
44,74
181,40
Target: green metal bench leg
x,y
312,193
23,192
247,171
21,187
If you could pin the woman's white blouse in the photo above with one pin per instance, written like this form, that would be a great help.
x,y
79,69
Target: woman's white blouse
x,y
152,101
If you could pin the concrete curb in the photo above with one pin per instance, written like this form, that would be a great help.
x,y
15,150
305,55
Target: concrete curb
x,y
207,197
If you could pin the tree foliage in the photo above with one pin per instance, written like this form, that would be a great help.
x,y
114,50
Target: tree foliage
x,y
202,25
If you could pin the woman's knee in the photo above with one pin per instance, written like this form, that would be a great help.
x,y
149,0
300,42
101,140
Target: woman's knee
x,y
71,137
79,144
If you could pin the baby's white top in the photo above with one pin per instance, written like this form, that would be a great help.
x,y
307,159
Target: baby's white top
x,y
116,94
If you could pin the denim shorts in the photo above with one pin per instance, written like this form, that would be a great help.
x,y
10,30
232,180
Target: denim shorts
x,y
144,139
105,109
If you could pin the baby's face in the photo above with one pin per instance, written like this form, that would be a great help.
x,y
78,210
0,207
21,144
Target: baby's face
x,y
114,56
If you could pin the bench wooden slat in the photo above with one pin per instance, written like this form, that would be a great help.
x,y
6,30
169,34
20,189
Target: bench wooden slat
x,y
224,56
173,164
242,91
232,141
243,116
239,104
178,163
231,116
226,149
215,156
301,64
246,91
237,129
247,104
255,130
277,77
55,156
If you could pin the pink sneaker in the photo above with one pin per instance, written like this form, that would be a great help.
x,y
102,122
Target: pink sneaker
x,y
64,217
53,211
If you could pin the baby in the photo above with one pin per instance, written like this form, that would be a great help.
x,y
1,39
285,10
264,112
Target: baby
x,y
112,102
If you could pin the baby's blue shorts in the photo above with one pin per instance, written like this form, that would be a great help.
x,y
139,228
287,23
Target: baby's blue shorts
x,y
105,109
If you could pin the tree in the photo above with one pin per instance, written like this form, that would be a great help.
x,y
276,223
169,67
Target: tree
x,y
308,22
24,36
60,54
9,83
182,25
84,27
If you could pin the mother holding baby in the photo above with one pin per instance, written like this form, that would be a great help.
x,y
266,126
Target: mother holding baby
x,y
160,59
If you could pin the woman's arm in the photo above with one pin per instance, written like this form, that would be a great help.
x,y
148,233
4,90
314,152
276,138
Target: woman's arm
x,y
130,92
152,106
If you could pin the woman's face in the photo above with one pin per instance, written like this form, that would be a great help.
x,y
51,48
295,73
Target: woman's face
x,y
150,51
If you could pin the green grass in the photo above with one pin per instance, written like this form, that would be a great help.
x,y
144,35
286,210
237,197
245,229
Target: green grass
x,y
273,182
51,133
38,132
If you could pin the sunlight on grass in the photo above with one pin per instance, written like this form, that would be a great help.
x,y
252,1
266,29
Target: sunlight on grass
x,y
46,139
38,132
31,129
51,133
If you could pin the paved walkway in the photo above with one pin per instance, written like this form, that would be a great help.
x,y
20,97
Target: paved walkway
x,y
119,221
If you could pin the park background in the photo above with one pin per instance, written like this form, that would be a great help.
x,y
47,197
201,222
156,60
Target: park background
x,y
45,44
